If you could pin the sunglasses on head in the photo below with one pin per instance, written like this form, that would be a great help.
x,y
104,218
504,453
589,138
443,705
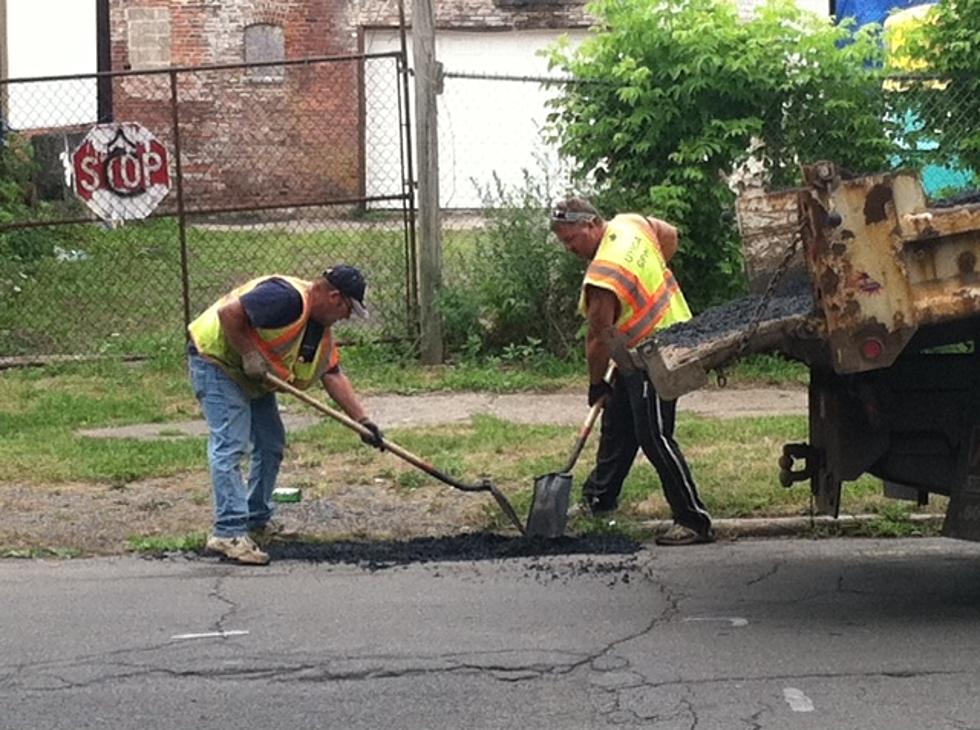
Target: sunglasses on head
x,y
571,216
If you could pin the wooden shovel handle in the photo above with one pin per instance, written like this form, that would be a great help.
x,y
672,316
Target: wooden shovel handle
x,y
483,486
590,420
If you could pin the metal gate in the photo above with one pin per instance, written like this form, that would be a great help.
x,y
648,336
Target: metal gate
x,y
269,173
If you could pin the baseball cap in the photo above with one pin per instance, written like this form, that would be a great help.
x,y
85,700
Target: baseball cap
x,y
349,281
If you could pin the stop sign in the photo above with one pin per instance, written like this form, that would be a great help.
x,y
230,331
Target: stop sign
x,y
121,171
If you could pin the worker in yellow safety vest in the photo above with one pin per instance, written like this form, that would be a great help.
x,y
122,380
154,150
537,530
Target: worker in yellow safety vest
x,y
628,293
279,325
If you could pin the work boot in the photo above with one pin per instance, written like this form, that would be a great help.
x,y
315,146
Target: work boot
x,y
598,507
240,549
272,530
681,535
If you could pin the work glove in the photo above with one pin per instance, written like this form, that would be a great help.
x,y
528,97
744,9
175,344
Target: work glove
x,y
375,439
255,365
599,391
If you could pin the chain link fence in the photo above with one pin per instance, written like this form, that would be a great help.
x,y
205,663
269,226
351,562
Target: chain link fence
x,y
290,167
937,132
112,237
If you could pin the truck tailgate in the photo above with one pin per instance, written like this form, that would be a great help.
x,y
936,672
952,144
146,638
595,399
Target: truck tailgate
x,y
678,359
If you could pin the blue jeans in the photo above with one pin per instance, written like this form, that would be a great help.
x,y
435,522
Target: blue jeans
x,y
238,425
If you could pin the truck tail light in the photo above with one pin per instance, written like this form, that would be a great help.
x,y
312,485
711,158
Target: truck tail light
x,y
872,348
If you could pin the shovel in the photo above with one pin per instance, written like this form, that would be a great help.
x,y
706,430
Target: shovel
x,y
549,505
485,485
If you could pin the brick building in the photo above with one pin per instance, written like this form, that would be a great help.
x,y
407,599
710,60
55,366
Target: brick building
x,y
294,134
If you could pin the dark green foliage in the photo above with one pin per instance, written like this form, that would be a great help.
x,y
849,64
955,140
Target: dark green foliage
x,y
670,94
26,245
21,249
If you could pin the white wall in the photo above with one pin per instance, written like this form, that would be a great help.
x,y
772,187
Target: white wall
x,y
51,38
485,126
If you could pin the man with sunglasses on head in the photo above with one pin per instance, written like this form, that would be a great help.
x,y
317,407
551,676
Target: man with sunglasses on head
x,y
627,294
280,325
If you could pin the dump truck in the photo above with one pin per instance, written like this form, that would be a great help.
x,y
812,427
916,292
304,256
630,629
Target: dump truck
x,y
877,291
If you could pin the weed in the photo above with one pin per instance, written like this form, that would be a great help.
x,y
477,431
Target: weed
x,y
41,552
411,480
895,520
166,543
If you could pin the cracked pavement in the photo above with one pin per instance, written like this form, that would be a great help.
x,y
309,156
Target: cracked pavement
x,y
756,634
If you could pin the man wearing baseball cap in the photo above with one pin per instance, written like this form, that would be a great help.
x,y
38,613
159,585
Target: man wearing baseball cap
x,y
279,325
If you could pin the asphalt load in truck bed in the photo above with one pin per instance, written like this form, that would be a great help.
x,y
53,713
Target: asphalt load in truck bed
x,y
733,318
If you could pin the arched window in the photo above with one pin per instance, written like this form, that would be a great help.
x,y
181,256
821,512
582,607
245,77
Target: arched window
x,y
264,42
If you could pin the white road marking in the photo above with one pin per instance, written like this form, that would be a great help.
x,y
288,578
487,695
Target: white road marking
x,y
733,620
209,635
797,701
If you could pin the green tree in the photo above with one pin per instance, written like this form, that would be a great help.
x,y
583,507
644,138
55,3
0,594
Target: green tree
x,y
947,46
669,94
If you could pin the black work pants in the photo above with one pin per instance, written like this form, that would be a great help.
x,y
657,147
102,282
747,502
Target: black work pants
x,y
635,417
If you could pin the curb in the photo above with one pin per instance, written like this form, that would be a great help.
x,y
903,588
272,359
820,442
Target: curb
x,y
799,526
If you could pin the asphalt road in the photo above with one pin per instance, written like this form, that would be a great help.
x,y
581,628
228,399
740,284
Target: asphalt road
x,y
755,634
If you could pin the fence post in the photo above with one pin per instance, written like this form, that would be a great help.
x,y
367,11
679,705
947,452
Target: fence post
x,y
181,217
428,84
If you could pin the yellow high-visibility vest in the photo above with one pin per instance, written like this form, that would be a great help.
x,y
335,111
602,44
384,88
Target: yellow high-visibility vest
x,y
630,264
280,345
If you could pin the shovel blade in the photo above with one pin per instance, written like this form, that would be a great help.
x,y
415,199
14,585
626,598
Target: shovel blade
x,y
549,506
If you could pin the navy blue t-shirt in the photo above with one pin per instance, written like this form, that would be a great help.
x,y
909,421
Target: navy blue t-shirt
x,y
276,303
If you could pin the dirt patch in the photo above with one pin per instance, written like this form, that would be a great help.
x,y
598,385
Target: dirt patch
x,y
101,520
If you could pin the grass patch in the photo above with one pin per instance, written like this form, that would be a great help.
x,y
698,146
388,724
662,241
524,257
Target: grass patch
x,y
895,520
734,460
766,369
41,552
165,543
120,317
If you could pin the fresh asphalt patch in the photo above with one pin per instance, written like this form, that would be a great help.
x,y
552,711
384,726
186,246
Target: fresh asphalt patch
x,y
479,546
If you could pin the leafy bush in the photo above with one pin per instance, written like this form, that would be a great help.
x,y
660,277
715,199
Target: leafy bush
x,y
16,167
521,287
671,93
21,249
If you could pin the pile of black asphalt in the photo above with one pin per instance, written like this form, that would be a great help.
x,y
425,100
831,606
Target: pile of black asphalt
x,y
477,546
734,318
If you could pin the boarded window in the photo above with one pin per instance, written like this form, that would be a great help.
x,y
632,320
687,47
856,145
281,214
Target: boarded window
x,y
264,42
149,37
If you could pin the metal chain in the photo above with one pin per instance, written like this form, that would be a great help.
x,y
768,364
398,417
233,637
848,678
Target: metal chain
x,y
760,309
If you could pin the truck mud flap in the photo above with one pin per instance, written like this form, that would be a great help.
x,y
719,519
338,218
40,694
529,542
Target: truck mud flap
x,y
963,512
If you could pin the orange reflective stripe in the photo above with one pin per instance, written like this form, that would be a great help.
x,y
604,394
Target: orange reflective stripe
x,y
624,274
644,321
330,349
285,340
659,300
625,283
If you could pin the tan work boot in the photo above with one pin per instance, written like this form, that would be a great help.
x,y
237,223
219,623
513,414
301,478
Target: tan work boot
x,y
681,535
240,549
272,530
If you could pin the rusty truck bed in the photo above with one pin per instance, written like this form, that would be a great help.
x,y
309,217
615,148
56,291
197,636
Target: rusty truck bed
x,y
879,264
